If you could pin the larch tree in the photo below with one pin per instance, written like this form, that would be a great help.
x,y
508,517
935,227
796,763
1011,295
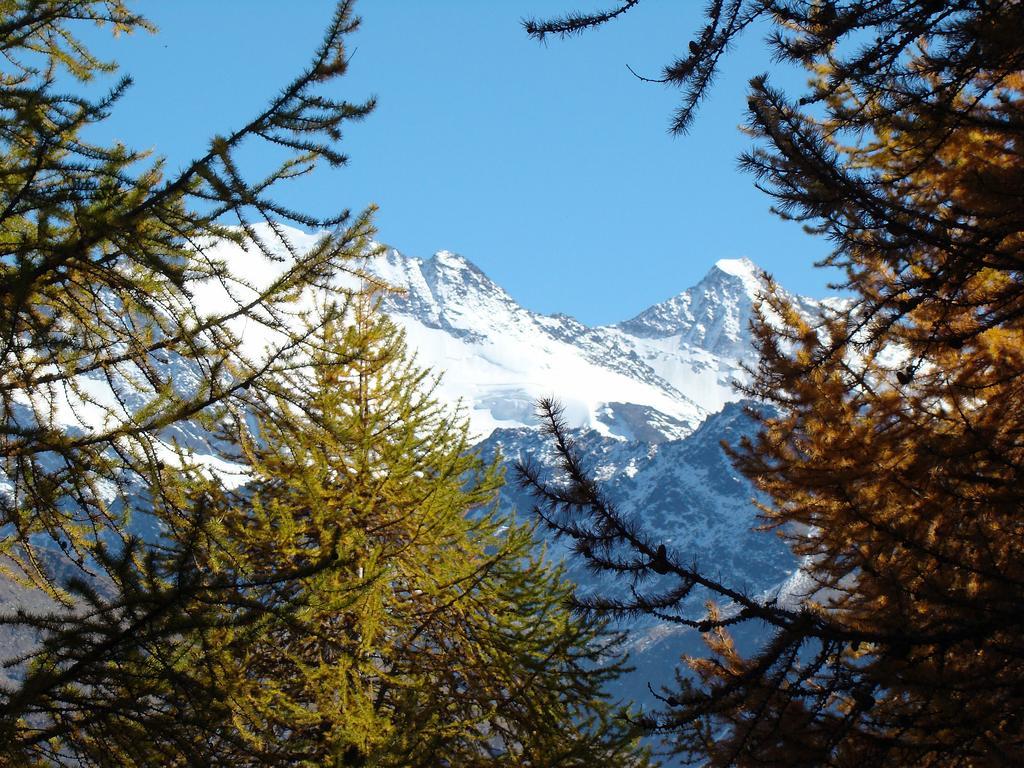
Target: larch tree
x,y
893,461
322,580
103,255
441,637
108,355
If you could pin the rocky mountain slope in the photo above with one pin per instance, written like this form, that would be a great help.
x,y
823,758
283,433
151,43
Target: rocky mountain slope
x,y
650,400
653,378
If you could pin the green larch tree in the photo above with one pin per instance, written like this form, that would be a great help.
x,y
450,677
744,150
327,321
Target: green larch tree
x,y
107,351
102,256
438,635
340,606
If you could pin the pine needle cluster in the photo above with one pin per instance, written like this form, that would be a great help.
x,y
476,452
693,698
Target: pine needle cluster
x,y
892,457
249,555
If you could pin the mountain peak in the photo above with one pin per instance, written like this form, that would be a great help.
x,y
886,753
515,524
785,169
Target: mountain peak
x,y
446,291
712,315
451,260
741,267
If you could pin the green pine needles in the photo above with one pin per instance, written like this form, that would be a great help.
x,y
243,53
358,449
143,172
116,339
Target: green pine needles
x,y
345,592
435,635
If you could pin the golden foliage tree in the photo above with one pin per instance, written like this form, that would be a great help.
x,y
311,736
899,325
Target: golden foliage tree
x,y
892,461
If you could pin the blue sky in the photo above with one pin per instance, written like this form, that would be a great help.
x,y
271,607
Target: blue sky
x,y
548,166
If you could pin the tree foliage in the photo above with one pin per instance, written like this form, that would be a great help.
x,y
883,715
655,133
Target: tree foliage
x,y
893,463
441,637
356,602
108,355
103,255
321,579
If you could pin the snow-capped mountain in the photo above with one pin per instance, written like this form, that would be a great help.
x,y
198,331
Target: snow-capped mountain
x,y
650,399
655,377
686,495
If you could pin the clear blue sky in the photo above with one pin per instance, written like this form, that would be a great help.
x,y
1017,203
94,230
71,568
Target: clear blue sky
x,y
550,167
